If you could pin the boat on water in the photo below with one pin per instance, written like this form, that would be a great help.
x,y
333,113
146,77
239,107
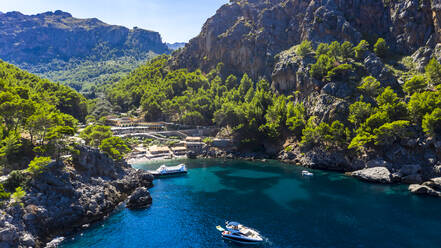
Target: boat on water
x,y
164,170
239,233
307,173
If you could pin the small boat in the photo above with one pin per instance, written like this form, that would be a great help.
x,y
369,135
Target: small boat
x,y
239,233
164,170
307,173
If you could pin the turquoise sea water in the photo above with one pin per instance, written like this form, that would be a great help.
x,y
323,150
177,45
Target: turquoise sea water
x,y
327,210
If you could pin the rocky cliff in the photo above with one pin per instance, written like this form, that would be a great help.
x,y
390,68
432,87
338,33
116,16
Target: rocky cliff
x,y
57,35
68,195
259,38
247,35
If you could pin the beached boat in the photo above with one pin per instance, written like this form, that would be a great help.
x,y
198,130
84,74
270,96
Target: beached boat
x,y
239,233
164,170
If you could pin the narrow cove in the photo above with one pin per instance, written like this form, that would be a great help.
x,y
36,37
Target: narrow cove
x,y
327,210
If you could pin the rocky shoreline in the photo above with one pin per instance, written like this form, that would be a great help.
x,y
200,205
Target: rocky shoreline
x,y
414,162
69,195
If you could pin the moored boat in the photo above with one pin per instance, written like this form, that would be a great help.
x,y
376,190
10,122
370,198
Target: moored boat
x,y
307,173
164,170
239,233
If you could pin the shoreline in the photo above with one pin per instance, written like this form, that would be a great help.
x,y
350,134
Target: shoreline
x,y
69,196
377,171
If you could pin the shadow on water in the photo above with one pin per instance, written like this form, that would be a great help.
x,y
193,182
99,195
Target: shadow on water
x,y
327,210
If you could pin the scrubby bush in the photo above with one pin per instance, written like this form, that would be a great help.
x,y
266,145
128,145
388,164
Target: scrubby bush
x,y
208,140
334,135
296,118
416,84
95,134
361,49
389,102
322,48
376,120
360,140
432,123
17,196
359,111
423,103
320,69
304,49
381,48
15,179
3,194
334,49
288,149
115,147
433,71
388,133
370,86
347,50
341,72
38,164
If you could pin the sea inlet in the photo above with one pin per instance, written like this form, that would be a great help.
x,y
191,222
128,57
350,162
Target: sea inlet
x,y
288,209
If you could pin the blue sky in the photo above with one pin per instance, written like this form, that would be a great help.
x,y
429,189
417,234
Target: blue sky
x,y
176,20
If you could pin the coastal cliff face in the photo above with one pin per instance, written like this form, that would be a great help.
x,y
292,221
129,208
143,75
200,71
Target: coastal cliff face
x,y
41,38
260,37
247,35
68,195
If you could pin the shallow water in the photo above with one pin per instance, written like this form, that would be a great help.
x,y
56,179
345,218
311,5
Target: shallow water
x,y
327,210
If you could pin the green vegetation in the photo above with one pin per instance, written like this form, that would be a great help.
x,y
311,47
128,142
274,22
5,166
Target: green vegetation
x,y
304,49
330,136
381,48
370,86
320,69
208,141
94,135
38,164
89,75
34,113
433,71
17,196
376,116
3,194
115,147
417,83
361,49
432,123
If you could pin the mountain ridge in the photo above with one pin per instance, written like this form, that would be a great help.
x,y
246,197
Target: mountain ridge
x,y
41,38
247,35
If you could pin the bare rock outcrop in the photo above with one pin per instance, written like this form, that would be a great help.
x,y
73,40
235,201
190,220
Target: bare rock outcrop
x,y
68,195
139,199
374,175
247,35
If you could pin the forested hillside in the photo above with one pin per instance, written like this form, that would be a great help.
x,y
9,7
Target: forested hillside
x,y
81,53
342,106
35,116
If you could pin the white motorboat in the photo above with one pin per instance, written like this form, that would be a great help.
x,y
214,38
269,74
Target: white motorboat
x,y
164,170
307,173
239,233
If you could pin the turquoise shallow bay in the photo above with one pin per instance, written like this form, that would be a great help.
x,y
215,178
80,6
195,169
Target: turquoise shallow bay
x,y
328,210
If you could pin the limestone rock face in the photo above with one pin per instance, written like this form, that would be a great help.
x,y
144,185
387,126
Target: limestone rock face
x,y
57,35
375,175
69,195
139,199
247,35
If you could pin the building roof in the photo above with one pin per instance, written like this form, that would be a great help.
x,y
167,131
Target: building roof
x,y
179,148
193,139
159,149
